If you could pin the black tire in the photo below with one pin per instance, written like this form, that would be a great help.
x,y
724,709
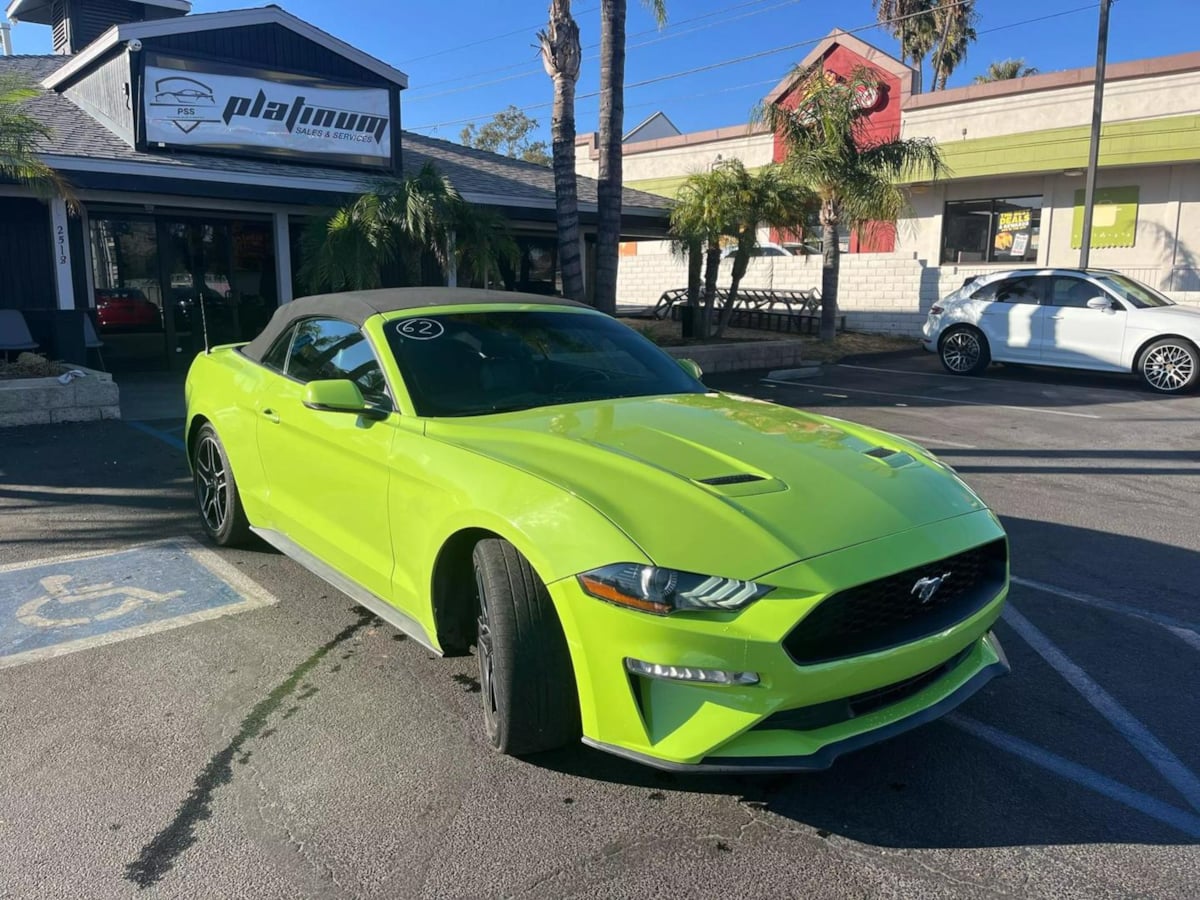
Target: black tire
x,y
530,702
217,499
963,350
1170,366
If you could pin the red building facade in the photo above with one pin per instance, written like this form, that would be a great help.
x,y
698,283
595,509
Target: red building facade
x,y
840,54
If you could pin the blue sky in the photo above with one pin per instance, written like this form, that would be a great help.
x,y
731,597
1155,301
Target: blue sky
x,y
467,59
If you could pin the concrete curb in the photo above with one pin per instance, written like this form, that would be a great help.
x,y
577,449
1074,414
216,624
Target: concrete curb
x,y
742,356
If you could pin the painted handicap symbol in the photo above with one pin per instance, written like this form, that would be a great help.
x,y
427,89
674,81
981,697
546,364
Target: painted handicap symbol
x,y
57,591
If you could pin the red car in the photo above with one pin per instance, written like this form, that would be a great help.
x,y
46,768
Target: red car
x,y
126,308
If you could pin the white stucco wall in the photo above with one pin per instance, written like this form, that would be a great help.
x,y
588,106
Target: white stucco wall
x,y
1157,96
752,149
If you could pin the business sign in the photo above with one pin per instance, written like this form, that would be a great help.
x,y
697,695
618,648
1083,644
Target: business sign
x,y
188,108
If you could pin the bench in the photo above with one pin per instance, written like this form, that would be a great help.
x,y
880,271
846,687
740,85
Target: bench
x,y
792,312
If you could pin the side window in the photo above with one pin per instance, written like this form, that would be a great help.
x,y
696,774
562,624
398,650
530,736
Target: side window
x,y
276,357
1075,292
1013,290
330,348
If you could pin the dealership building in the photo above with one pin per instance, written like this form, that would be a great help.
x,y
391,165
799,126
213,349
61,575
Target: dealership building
x,y
1017,152
196,148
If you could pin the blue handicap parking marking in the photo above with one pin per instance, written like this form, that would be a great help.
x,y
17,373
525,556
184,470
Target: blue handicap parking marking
x,y
57,606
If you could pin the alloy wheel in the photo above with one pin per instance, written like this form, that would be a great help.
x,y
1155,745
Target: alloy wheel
x,y
212,484
961,351
484,650
1169,367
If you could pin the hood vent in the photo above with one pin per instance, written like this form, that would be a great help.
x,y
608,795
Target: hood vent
x,y
894,458
741,478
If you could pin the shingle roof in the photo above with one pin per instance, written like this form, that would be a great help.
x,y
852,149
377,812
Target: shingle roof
x,y
74,133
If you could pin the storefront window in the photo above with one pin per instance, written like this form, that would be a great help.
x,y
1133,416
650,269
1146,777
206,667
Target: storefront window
x,y
163,281
1006,230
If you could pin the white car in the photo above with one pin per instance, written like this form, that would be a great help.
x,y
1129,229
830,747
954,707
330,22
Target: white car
x,y
764,248
1080,319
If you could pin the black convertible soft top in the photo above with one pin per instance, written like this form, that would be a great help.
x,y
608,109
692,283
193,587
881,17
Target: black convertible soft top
x,y
358,306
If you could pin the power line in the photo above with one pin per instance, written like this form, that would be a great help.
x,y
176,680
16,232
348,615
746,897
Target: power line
x,y
759,55
486,40
670,35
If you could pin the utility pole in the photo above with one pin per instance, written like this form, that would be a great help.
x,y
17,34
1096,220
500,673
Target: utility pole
x,y
1089,191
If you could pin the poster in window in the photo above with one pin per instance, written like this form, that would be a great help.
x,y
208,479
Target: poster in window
x,y
1012,232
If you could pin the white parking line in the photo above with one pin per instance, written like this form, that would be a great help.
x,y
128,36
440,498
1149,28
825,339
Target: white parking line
x,y
974,378
951,400
1081,775
921,439
959,378
1168,765
1185,630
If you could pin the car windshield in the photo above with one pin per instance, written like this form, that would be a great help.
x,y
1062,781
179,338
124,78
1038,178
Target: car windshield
x,y
1132,291
467,364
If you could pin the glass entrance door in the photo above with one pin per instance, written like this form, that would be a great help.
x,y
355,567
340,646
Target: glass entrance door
x,y
163,281
218,283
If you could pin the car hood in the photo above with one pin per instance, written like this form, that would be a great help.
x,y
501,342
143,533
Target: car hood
x,y
722,484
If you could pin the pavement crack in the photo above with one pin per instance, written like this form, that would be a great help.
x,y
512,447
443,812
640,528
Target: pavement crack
x,y
158,856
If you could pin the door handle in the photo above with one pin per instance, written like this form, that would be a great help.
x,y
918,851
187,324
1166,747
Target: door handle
x,y
271,415
1058,317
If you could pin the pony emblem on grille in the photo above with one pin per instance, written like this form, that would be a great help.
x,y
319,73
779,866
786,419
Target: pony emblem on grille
x,y
925,588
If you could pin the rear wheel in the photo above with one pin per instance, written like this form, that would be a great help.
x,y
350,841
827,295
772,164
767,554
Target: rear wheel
x,y
217,498
1170,366
530,702
964,351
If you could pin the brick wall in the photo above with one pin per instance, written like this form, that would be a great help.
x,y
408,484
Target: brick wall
x,y
879,292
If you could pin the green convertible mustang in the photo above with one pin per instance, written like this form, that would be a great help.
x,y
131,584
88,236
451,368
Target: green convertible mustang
x,y
682,577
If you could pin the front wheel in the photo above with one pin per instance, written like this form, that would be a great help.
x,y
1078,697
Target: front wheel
x,y
530,702
964,351
217,498
1170,366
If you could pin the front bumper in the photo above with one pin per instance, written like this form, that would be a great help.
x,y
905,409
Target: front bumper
x,y
929,333
764,727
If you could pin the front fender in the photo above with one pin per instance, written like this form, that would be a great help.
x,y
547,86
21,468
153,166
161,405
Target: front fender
x,y
559,533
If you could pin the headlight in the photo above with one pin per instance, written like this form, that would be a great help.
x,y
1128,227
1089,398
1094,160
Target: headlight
x,y
663,591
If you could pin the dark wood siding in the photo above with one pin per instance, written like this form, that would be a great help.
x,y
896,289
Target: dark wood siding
x,y
26,264
103,94
267,46
91,18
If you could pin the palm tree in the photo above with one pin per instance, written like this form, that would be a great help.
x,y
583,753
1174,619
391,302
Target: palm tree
x,y
561,56
483,245
769,197
612,117
912,23
402,220
853,176
1005,70
20,137
698,221
955,23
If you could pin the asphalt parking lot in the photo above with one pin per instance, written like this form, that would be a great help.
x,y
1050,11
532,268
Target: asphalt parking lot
x,y
272,740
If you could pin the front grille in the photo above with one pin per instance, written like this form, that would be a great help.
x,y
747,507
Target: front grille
x,y
889,612
834,712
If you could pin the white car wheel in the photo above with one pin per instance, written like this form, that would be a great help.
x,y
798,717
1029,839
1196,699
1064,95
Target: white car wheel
x,y
1170,365
964,351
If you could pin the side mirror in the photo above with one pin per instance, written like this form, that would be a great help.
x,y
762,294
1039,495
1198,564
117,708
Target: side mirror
x,y
691,367
339,395
1100,303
